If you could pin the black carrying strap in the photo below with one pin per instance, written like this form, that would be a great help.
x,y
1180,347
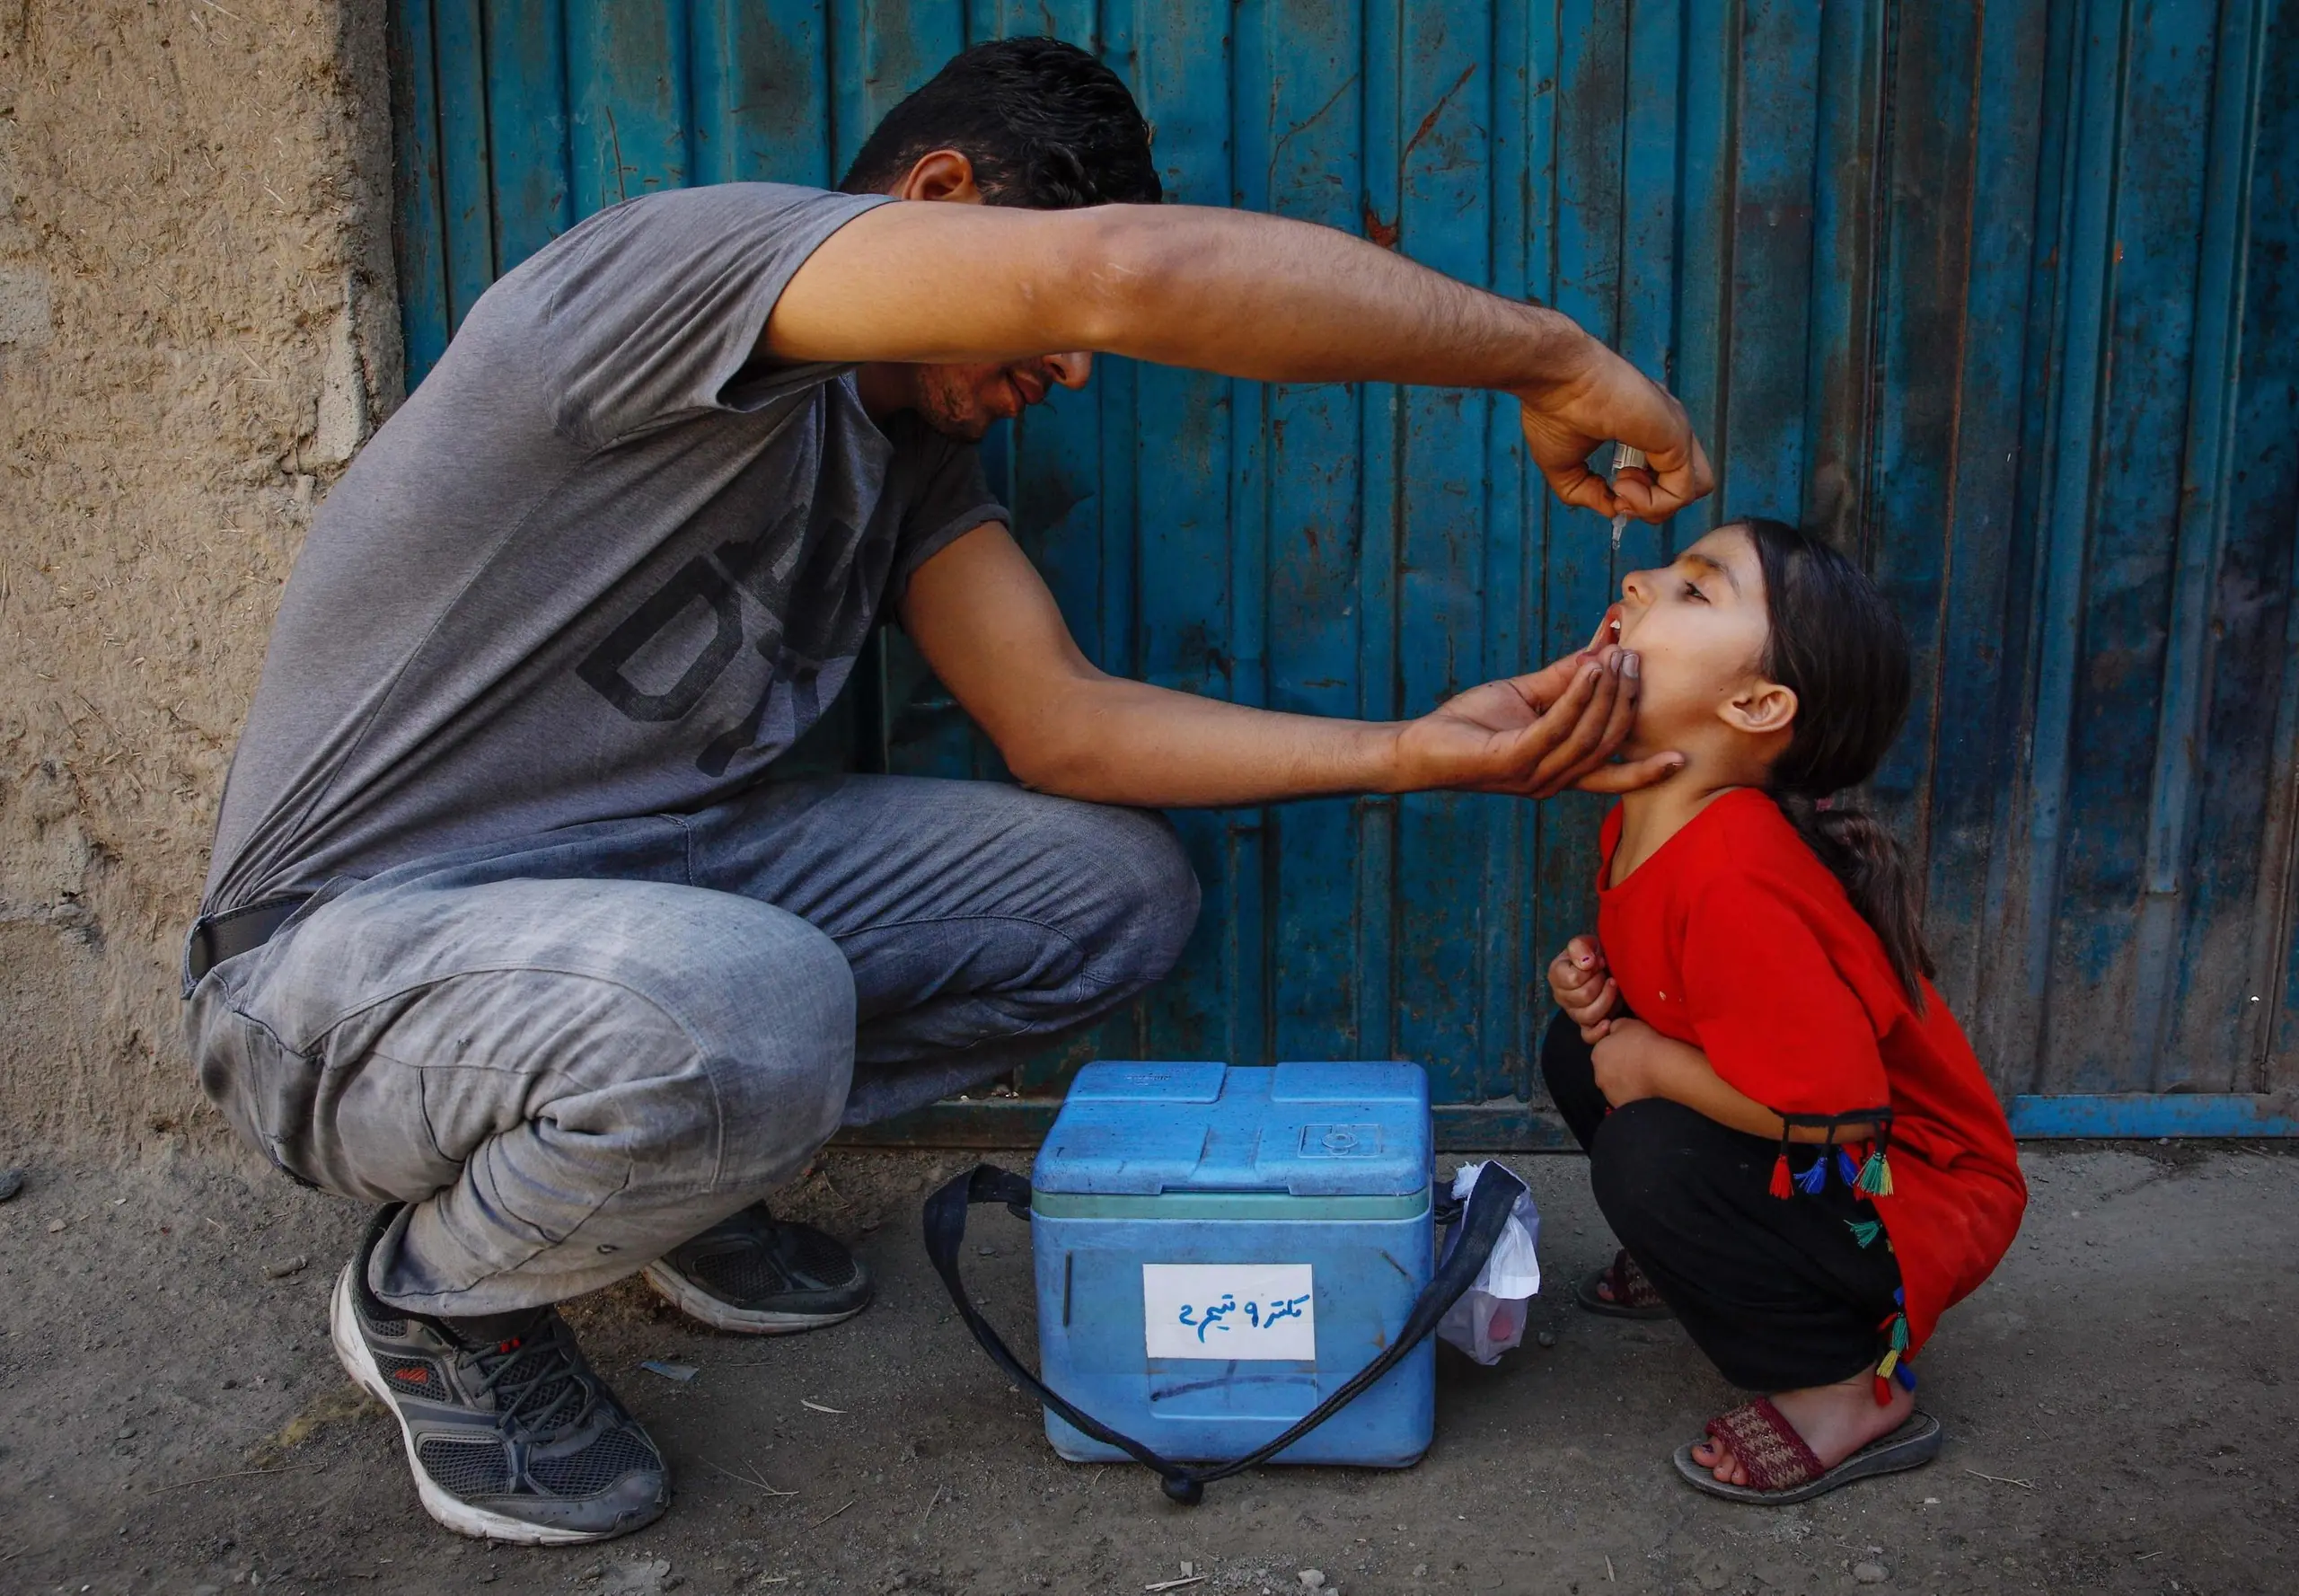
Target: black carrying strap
x,y
1489,1205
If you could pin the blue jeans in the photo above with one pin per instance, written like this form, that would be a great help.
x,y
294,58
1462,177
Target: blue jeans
x,y
569,1054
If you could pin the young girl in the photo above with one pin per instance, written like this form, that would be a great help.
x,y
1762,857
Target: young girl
x,y
1784,1126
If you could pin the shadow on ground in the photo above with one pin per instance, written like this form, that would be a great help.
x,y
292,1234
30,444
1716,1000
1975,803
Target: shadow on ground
x,y
2117,1402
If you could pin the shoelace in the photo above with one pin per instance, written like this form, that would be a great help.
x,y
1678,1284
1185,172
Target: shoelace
x,y
521,1374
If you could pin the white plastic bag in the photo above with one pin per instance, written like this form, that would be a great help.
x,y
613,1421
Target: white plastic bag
x,y
1489,1319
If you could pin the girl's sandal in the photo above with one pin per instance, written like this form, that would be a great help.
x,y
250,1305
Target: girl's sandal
x,y
1782,1470
1634,1296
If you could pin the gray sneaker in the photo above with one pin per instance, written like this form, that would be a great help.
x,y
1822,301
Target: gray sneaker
x,y
758,1275
514,1439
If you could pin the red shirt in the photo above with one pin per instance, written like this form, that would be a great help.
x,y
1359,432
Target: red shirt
x,y
1734,938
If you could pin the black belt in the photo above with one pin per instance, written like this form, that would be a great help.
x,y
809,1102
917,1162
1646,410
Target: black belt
x,y
216,937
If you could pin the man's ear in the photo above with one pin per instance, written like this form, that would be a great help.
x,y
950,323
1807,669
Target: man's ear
x,y
940,174
1760,707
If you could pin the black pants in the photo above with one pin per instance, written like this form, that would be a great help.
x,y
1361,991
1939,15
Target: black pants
x,y
1778,1291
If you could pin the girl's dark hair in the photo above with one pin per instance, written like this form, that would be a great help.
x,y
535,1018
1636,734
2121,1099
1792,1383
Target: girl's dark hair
x,y
1837,646
1046,125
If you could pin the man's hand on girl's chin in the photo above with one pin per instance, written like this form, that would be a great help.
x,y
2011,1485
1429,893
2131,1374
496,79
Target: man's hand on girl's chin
x,y
1532,735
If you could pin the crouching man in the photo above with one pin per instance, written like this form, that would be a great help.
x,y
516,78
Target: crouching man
x,y
506,931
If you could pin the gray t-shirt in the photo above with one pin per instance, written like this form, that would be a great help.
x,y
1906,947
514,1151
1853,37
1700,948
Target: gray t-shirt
x,y
604,562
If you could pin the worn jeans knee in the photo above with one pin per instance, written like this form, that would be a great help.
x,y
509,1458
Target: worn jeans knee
x,y
563,1078
780,1094
1136,895
1063,908
1048,914
677,1138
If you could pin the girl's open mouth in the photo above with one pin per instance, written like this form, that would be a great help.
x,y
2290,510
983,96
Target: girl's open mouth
x,y
1608,634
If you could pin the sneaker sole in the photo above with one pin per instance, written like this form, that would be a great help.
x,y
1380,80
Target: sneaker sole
x,y
741,1321
461,1517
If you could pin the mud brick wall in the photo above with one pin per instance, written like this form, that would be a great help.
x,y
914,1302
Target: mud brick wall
x,y
196,330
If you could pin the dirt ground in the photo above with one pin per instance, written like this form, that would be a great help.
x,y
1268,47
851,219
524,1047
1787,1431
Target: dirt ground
x,y
2117,1401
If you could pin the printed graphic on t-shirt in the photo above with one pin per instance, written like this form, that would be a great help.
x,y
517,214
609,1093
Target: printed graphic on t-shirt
x,y
802,605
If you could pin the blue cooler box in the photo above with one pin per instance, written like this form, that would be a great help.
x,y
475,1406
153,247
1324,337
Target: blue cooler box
x,y
1218,1250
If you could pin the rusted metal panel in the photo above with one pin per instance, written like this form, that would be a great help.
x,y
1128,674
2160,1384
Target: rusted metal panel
x,y
2004,297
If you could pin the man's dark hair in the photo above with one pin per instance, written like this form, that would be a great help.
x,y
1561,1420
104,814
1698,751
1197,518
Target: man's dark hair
x,y
1046,125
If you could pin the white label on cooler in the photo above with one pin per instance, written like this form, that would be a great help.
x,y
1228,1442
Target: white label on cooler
x,y
1229,1311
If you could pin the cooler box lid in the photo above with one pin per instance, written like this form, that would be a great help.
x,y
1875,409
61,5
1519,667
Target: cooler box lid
x,y
1307,1130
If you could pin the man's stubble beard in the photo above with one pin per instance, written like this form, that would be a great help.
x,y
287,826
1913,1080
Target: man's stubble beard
x,y
949,412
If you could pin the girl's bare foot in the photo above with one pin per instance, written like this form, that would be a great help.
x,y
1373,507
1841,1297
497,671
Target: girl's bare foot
x,y
1835,1421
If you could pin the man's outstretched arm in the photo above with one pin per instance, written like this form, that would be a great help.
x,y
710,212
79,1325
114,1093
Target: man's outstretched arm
x,y
986,623
1233,292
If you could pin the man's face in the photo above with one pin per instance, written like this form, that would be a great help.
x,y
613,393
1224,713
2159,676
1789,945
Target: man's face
x,y
961,401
